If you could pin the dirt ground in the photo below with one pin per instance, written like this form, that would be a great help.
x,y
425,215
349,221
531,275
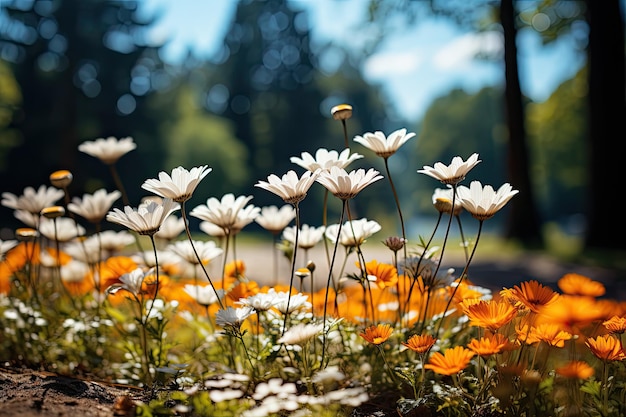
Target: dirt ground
x,y
28,393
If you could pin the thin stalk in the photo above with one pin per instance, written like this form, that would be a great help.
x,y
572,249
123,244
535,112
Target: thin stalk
x,y
330,274
395,196
120,186
463,274
206,273
293,266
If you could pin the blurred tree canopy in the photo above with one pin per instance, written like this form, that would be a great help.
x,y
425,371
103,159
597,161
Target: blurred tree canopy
x,y
84,71
76,70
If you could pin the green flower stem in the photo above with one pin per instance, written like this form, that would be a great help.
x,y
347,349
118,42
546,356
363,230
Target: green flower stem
x,y
330,274
206,273
395,196
389,369
463,274
120,186
293,265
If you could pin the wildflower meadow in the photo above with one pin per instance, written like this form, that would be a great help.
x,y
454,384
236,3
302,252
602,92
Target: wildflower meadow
x,y
94,285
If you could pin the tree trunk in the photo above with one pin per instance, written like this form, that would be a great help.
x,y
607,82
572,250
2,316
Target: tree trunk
x,y
523,223
607,109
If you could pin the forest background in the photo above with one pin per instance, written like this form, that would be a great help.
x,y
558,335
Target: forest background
x,y
76,70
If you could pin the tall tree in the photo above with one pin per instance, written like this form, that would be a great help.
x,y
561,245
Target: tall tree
x,y
85,71
523,222
270,86
607,105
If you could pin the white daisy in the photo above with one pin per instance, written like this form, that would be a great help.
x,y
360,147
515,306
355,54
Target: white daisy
x,y
290,188
308,236
203,294
384,146
222,213
233,317
108,150
291,302
171,228
32,201
180,185
6,246
484,203
442,200
212,229
346,185
274,219
301,333
62,229
353,233
146,219
113,241
93,207
131,281
453,173
324,159
74,271
206,250
260,301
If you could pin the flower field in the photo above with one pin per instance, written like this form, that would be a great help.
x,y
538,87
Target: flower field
x,y
131,296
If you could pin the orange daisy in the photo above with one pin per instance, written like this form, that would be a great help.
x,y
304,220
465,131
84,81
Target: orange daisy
x,y
378,334
575,284
575,370
420,343
235,269
490,345
615,324
386,275
526,334
551,334
532,295
489,314
451,362
113,268
571,311
606,348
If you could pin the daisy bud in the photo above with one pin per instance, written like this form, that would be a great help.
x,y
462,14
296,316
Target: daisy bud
x,y
310,266
394,243
61,178
341,112
303,273
53,212
25,234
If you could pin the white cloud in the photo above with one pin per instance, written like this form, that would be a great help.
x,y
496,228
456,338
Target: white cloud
x,y
460,53
392,63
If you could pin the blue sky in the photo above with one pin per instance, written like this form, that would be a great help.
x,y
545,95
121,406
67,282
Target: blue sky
x,y
414,67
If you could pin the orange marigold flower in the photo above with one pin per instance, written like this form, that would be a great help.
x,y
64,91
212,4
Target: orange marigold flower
x,y
532,295
113,268
242,290
576,370
606,347
571,311
526,334
386,275
489,345
575,284
615,324
452,361
551,334
235,269
378,334
420,343
464,291
489,314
